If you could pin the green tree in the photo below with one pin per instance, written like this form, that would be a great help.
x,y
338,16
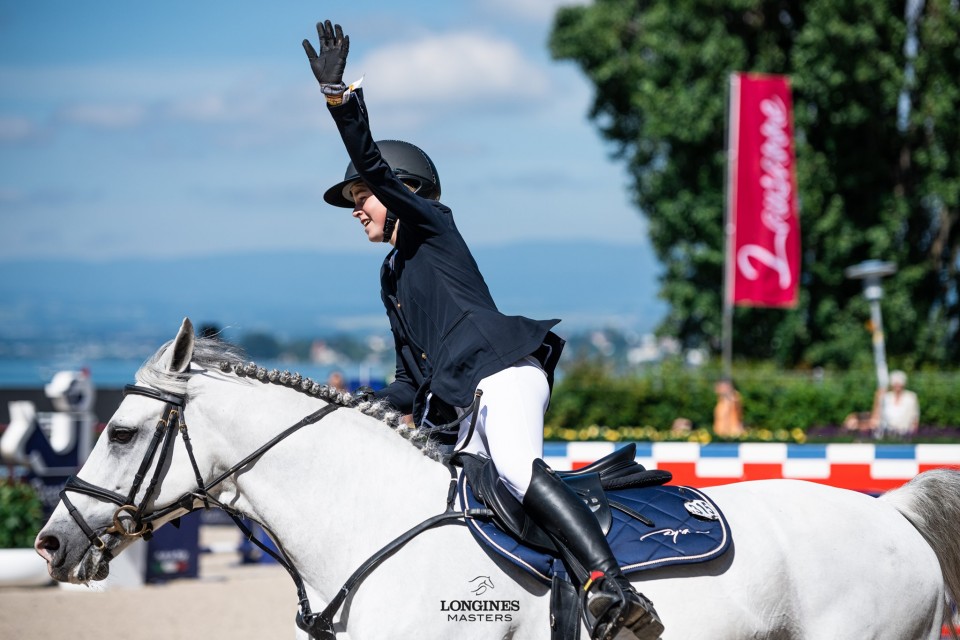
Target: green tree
x,y
934,159
872,184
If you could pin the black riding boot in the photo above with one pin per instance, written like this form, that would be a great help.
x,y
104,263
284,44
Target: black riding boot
x,y
609,602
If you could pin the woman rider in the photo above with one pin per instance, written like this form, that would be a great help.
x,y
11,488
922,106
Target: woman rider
x,y
451,340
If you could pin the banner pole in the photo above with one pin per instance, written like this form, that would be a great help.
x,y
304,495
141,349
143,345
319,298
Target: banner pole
x,y
731,135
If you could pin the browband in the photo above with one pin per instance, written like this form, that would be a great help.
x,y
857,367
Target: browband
x,y
156,394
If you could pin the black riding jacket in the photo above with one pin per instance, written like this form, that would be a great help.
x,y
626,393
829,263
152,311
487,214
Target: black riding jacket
x,y
447,329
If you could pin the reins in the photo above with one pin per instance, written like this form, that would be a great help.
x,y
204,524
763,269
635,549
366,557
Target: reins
x,y
132,521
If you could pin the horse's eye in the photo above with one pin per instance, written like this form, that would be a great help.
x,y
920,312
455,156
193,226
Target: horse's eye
x,y
121,435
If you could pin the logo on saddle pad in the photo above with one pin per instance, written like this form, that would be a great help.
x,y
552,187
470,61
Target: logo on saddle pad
x,y
701,509
481,584
480,609
670,533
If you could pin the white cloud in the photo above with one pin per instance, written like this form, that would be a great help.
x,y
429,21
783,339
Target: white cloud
x,y
105,116
17,129
10,196
201,108
414,80
262,109
114,96
453,68
47,196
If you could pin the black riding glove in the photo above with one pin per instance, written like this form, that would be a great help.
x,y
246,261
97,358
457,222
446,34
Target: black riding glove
x,y
329,64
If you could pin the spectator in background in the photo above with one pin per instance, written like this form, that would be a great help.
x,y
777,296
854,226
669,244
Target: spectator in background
x,y
860,423
728,413
899,408
336,381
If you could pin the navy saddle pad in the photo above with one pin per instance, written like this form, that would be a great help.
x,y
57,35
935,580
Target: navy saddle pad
x,y
688,528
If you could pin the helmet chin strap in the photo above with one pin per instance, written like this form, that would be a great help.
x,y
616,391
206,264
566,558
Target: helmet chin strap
x,y
388,227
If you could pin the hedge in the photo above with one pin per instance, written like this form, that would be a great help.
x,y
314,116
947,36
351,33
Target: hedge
x,y
589,402
21,514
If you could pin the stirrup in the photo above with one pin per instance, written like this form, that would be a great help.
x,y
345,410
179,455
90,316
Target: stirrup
x,y
609,605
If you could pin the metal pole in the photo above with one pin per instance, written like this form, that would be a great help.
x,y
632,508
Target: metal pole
x,y
871,271
727,354
729,225
880,360
879,346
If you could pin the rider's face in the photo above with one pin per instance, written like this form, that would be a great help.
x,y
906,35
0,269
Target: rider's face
x,y
369,211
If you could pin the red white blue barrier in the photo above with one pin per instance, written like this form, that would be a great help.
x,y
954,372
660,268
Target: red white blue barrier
x,y
871,468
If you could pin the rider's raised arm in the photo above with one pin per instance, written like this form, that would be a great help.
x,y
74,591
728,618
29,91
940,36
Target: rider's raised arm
x,y
353,124
349,112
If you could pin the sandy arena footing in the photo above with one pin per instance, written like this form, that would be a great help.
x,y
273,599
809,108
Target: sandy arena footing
x,y
228,600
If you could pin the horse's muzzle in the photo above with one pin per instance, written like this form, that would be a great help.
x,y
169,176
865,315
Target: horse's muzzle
x,y
76,563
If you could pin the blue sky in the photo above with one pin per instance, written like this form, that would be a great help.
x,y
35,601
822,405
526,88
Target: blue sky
x,y
195,128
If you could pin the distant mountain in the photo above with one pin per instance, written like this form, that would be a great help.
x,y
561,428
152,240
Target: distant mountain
x,y
305,294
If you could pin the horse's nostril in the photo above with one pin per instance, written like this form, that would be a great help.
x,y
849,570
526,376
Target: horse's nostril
x,y
48,545
50,548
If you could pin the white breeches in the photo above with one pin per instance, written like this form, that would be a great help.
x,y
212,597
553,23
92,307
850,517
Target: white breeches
x,y
509,426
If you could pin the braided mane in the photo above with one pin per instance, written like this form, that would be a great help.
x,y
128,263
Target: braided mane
x,y
212,353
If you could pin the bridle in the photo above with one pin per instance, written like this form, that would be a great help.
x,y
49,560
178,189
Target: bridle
x,y
132,521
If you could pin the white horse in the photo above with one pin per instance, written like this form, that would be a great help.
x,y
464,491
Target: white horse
x,y
807,561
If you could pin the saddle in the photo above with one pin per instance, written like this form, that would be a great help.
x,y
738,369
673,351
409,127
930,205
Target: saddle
x,y
619,470
647,523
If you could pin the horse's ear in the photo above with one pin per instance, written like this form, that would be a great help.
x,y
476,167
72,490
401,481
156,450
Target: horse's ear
x,y
178,356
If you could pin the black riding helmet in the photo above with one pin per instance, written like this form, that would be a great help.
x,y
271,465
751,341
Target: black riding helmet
x,y
409,163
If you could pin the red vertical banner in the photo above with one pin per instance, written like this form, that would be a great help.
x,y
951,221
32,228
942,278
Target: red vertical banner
x,y
763,250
